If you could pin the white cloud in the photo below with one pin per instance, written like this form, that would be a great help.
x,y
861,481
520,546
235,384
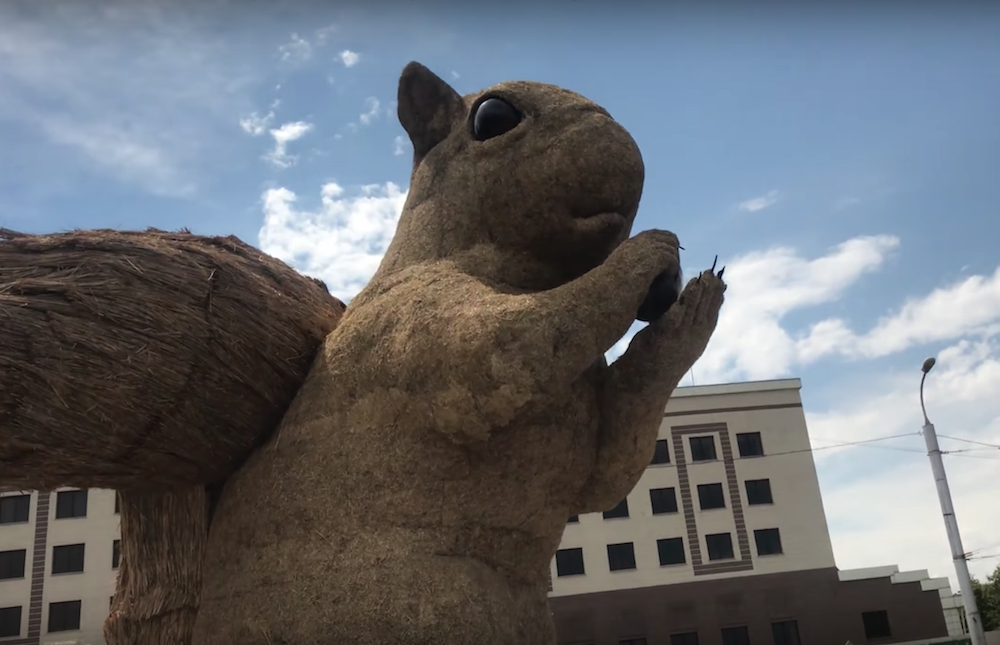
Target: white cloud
x,y
296,50
760,203
282,137
342,242
766,286
349,58
255,124
371,111
72,79
455,75
399,145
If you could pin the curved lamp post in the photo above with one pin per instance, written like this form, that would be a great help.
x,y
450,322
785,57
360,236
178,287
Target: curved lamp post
x,y
972,617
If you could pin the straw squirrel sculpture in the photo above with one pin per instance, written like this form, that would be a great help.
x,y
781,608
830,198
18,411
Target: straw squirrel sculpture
x,y
459,411
418,486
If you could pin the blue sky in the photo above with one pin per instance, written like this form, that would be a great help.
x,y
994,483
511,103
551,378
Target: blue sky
x,y
843,163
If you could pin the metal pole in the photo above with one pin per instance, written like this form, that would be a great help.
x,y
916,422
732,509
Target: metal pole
x,y
972,617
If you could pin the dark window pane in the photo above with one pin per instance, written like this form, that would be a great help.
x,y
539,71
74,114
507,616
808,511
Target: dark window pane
x,y
569,562
786,633
711,496
688,638
749,444
71,503
661,455
12,564
758,491
10,622
573,519
735,635
118,507
720,546
67,558
13,510
116,554
621,556
703,448
618,511
768,541
662,500
671,551
64,616
876,624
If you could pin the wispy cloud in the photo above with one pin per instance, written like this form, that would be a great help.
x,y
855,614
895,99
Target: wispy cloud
x,y
399,145
255,124
371,111
296,50
846,202
760,203
73,78
349,58
282,136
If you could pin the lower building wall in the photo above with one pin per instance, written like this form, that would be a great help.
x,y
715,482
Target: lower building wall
x,y
827,610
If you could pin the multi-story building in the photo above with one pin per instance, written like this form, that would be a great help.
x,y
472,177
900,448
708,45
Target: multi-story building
x,y
724,541
58,559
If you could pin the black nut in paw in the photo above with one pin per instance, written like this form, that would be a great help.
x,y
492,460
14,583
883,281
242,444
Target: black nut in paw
x,y
662,294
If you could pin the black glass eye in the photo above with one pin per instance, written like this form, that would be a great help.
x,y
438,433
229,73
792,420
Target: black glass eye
x,y
494,117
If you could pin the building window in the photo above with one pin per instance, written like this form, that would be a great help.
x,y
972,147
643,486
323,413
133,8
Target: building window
x,y
661,454
671,551
749,444
786,633
14,509
71,503
703,448
736,635
67,558
64,616
618,511
768,541
632,641
687,638
111,602
662,500
720,546
711,496
10,622
116,554
573,519
621,556
12,564
876,624
569,562
758,491
118,506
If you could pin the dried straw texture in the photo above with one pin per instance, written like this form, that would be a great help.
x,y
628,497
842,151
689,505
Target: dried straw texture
x,y
146,360
159,579
418,487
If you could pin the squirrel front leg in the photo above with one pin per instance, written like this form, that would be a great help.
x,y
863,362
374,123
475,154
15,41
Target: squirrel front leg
x,y
638,386
541,342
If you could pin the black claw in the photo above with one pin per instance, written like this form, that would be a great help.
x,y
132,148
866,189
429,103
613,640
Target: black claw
x,y
720,272
714,262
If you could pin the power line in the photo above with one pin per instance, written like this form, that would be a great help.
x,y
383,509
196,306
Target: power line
x,y
981,443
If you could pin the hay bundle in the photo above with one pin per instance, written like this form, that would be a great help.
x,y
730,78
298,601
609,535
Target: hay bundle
x,y
146,360
159,580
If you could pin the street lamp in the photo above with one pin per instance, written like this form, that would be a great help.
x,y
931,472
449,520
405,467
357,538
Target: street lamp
x,y
972,617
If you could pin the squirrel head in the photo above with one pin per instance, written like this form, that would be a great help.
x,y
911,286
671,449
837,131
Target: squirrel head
x,y
525,185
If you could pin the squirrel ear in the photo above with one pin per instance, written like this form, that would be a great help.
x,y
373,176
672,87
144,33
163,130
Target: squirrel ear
x,y
428,108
